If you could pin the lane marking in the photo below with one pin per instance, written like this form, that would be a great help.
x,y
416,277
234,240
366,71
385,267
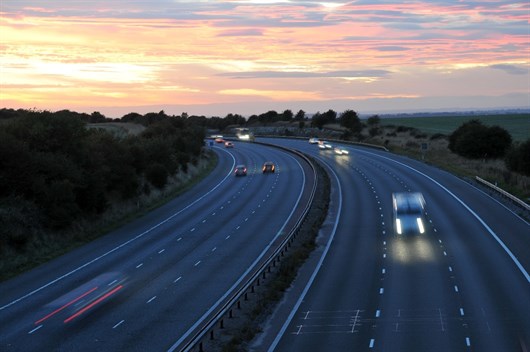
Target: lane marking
x,y
462,311
193,229
479,219
161,251
468,342
197,263
456,288
177,279
139,265
377,313
372,342
151,299
381,290
115,326
37,328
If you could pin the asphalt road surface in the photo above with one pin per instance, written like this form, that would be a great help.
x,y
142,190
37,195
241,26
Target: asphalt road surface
x,y
461,286
145,286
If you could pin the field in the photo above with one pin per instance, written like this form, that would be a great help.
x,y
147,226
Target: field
x,y
518,125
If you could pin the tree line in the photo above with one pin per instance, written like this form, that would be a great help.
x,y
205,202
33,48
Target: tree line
x,y
54,170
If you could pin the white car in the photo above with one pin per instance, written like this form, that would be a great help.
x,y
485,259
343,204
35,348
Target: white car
x,y
324,145
313,140
341,151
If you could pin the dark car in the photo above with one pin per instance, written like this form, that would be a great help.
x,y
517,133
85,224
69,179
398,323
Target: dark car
x,y
240,170
268,166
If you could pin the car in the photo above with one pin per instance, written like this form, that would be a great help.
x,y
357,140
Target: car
x,y
229,145
324,145
268,166
408,212
219,140
313,140
240,170
341,151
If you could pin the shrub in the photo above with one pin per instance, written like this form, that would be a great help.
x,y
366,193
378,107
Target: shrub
x,y
474,140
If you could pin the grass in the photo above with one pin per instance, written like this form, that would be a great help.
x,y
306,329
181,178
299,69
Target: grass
x,y
518,125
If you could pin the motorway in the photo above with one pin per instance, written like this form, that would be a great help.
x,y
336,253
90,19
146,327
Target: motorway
x,y
462,286
146,285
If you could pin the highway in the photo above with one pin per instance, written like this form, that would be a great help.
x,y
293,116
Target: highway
x,y
461,286
146,285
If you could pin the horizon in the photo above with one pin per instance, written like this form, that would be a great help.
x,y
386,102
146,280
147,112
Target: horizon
x,y
251,56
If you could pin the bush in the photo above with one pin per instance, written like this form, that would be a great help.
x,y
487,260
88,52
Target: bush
x,y
518,158
157,175
474,140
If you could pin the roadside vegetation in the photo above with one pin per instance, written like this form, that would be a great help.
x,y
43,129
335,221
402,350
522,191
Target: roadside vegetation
x,y
68,177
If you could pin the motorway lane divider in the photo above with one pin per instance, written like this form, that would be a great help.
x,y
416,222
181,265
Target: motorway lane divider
x,y
254,278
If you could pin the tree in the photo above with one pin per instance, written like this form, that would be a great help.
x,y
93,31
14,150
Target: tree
x,y
351,121
300,115
518,158
373,121
474,140
287,115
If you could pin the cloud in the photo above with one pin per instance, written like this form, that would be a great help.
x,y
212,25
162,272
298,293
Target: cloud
x,y
511,69
241,33
302,74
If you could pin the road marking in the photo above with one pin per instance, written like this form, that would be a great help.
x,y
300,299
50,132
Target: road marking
x,y
151,299
193,229
204,221
238,227
462,311
372,342
178,239
213,249
456,288
381,290
124,243
445,253
246,219
37,328
177,279
377,313
139,265
112,283
383,271
161,251
197,263
115,326
468,342
450,268
384,255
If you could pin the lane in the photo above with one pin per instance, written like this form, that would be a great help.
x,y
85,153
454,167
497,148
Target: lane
x,y
155,278
454,289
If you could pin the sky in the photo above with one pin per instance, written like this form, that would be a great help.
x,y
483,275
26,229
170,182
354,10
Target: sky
x,y
212,58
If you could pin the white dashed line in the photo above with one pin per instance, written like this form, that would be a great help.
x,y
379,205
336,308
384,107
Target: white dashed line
x,y
37,328
193,229
151,299
450,269
384,255
468,342
381,290
377,313
445,253
372,342
383,271
238,227
178,239
462,311
204,221
161,251
227,237
456,288
213,249
177,279
197,263
139,265
115,326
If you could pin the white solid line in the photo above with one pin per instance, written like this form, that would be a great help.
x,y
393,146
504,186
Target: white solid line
x,y
177,279
152,299
161,251
37,328
139,265
197,263
115,326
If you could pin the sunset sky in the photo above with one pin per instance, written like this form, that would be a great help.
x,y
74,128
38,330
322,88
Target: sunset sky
x,y
250,56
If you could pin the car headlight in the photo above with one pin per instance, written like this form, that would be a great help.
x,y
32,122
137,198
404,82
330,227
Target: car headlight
x,y
420,225
398,226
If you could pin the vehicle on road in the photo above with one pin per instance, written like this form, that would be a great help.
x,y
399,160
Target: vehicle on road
x,y
408,211
229,145
313,140
268,166
219,140
240,170
324,145
341,151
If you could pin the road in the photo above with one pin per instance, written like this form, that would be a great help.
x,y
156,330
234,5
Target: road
x,y
146,285
463,286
